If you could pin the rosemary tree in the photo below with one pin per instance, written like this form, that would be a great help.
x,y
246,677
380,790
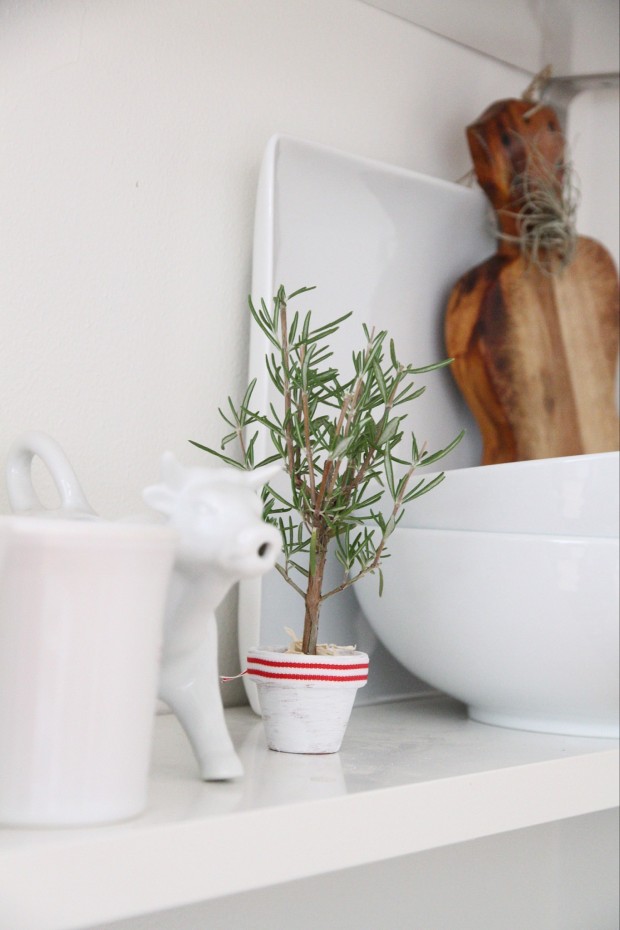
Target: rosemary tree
x,y
337,441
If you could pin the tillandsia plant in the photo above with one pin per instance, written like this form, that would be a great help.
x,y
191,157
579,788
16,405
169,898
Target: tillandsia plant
x,y
544,206
337,440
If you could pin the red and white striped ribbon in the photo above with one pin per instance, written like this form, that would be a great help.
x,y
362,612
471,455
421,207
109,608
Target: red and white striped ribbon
x,y
225,678
294,667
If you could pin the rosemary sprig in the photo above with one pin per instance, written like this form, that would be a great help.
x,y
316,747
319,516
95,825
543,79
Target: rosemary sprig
x,y
337,440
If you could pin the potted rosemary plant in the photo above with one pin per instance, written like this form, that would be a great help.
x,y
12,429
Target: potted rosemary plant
x,y
339,440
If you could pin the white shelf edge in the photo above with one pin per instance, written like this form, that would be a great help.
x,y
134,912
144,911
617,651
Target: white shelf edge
x,y
78,880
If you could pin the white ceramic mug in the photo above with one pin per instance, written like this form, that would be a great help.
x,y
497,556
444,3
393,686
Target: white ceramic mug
x,y
81,617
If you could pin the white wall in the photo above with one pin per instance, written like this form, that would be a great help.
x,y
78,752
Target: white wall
x,y
132,132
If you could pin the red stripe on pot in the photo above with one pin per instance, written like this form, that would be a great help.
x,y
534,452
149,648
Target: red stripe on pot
x,y
327,666
291,676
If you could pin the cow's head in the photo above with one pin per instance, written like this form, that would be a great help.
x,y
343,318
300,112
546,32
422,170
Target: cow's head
x,y
217,514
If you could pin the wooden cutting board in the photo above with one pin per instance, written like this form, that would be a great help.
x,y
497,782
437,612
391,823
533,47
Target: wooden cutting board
x,y
535,352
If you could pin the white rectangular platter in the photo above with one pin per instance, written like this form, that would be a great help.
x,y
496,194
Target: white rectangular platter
x,y
388,244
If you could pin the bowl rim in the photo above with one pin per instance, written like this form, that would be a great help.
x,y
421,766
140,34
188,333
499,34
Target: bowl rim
x,y
550,538
527,464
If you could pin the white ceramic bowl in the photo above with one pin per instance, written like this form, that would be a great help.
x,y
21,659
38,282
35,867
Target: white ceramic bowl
x,y
522,628
573,496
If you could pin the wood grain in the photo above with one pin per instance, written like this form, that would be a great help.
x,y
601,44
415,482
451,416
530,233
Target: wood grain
x,y
535,354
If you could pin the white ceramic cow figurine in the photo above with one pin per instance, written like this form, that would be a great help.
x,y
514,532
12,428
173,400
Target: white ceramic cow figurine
x,y
223,539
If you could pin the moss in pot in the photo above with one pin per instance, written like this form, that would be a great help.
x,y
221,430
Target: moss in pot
x,y
339,440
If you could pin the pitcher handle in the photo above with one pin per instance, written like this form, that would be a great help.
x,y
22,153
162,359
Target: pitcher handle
x,y
22,496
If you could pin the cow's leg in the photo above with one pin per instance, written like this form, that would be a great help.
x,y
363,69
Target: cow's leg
x,y
189,684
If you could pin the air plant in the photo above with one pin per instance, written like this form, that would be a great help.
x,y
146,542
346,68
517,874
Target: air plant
x,y
337,439
544,207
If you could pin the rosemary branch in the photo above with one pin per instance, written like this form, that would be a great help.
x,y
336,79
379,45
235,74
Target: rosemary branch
x,y
337,439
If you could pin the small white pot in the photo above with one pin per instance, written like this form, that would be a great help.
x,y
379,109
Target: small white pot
x,y
306,701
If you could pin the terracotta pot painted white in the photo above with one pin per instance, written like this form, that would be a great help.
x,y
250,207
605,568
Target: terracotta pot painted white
x,y
306,701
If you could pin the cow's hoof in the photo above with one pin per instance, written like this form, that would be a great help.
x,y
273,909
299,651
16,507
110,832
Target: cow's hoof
x,y
221,767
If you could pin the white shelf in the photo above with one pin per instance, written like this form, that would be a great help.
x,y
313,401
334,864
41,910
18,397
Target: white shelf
x,y
412,776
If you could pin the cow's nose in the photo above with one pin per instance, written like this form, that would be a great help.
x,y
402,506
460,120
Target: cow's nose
x,y
260,545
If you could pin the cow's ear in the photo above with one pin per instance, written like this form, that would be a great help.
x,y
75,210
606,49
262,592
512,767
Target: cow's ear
x,y
260,476
172,472
160,497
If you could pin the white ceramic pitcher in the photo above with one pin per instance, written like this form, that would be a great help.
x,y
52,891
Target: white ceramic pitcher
x,y
81,620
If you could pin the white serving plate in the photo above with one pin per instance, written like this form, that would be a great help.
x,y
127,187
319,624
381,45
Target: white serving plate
x,y
388,244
